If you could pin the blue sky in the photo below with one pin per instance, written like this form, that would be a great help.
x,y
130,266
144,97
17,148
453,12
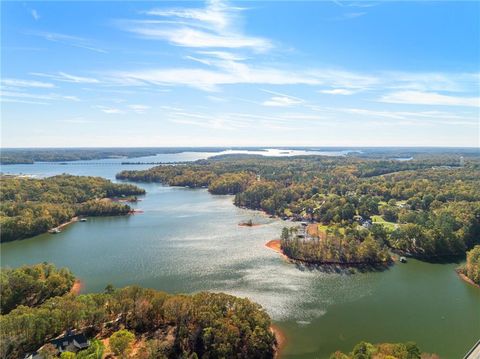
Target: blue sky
x,y
244,73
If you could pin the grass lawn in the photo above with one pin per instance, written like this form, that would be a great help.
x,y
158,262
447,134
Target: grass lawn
x,y
317,229
380,220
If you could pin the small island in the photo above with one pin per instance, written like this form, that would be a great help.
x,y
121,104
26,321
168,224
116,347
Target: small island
x,y
248,223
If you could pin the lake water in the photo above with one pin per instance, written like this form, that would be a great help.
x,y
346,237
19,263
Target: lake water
x,y
188,240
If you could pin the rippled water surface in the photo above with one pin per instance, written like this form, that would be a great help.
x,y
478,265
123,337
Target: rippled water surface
x,y
188,240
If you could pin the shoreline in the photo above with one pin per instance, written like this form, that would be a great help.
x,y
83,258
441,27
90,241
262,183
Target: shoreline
x,y
466,279
77,287
275,246
63,225
280,338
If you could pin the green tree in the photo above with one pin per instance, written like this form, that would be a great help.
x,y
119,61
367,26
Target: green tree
x,y
68,355
121,341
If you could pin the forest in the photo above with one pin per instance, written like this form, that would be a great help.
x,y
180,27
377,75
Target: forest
x,y
202,325
364,350
471,269
426,207
32,285
30,206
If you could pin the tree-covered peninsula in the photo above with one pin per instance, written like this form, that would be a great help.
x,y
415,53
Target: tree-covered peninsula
x,y
471,269
30,206
364,350
135,322
425,207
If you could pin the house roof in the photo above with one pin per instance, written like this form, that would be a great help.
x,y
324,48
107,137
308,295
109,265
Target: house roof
x,y
78,340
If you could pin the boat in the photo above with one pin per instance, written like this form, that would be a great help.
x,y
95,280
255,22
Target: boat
x,y
54,231
403,260
83,219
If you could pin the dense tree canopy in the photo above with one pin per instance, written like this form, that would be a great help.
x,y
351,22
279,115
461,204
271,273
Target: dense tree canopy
x,y
31,206
364,350
336,245
472,268
32,285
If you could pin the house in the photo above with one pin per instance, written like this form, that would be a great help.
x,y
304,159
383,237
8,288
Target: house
x,y
358,218
71,342
367,224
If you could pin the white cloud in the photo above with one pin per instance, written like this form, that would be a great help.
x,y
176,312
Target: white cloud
x,y
45,97
69,40
431,81
417,118
15,100
217,99
350,15
214,26
279,101
26,83
64,77
188,37
139,108
225,73
429,98
110,110
35,14
219,121
338,92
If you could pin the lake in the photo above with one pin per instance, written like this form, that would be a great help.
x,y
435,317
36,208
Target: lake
x,y
188,240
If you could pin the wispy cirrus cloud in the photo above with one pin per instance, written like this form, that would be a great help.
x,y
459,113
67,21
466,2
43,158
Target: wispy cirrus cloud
x,y
65,77
140,109
429,98
35,14
359,4
350,15
69,40
213,26
26,83
338,92
18,96
281,100
110,110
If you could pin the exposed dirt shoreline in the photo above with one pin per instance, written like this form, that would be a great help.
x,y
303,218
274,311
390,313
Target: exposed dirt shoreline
x,y
77,287
466,279
275,246
281,339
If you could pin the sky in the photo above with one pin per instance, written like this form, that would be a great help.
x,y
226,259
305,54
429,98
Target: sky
x,y
240,73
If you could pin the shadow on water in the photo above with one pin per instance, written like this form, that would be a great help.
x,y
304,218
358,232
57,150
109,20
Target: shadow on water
x,y
343,269
448,259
